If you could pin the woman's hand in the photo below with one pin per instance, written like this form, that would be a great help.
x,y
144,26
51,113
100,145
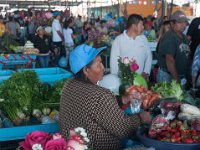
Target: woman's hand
x,y
126,99
145,117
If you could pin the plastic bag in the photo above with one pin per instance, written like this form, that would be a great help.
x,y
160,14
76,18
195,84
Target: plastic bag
x,y
135,106
159,124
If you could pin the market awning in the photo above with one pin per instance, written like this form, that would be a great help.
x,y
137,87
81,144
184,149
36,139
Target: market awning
x,y
26,3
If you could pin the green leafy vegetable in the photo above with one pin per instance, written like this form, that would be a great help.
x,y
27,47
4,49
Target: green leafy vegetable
x,y
19,93
169,90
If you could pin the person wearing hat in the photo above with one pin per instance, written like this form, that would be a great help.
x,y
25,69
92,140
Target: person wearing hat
x,y
57,32
41,42
174,52
94,108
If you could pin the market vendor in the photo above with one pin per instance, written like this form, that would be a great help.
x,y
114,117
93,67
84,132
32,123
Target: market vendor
x,y
41,42
85,104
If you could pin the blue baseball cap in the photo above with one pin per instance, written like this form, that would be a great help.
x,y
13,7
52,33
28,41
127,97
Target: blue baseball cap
x,y
82,55
56,13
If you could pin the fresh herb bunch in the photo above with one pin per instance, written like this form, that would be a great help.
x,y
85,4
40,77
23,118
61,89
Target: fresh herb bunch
x,y
50,95
19,92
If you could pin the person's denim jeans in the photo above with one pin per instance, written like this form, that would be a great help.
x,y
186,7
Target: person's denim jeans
x,y
163,76
68,48
44,61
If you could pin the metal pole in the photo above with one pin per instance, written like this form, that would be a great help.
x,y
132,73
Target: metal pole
x,y
163,8
171,8
119,8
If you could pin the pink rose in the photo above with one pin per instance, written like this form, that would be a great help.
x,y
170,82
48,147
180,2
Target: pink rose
x,y
48,15
58,144
75,145
126,61
57,136
37,137
134,67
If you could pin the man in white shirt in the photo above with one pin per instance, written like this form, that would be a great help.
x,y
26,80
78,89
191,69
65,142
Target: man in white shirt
x,y
78,23
132,44
57,35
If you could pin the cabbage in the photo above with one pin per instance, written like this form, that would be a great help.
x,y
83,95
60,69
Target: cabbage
x,y
169,90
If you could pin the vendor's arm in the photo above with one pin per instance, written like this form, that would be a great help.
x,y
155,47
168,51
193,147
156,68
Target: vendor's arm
x,y
112,118
60,34
195,66
171,66
114,55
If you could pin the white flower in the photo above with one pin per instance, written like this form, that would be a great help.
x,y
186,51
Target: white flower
x,y
126,61
84,134
79,129
86,139
85,147
1,99
37,147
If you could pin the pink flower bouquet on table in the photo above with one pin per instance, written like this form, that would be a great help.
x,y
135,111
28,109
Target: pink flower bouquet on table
x,y
39,140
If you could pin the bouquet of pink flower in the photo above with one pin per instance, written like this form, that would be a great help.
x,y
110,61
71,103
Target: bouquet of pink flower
x,y
39,140
127,69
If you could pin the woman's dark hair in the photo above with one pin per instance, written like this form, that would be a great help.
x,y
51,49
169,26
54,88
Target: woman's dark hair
x,y
81,76
133,19
11,18
67,22
84,24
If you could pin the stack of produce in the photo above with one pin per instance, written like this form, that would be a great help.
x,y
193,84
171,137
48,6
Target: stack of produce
x,y
179,122
29,48
147,97
167,106
175,131
23,96
8,44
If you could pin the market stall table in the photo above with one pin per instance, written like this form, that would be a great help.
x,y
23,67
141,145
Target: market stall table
x,y
11,60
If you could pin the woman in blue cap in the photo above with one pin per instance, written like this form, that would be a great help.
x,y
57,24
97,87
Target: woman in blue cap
x,y
85,104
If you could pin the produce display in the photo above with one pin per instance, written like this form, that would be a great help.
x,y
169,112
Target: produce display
x,y
169,90
8,44
178,123
177,119
173,131
24,97
29,48
147,97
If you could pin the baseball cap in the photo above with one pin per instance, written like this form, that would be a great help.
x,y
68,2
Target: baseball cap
x,y
56,13
82,55
179,16
39,28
